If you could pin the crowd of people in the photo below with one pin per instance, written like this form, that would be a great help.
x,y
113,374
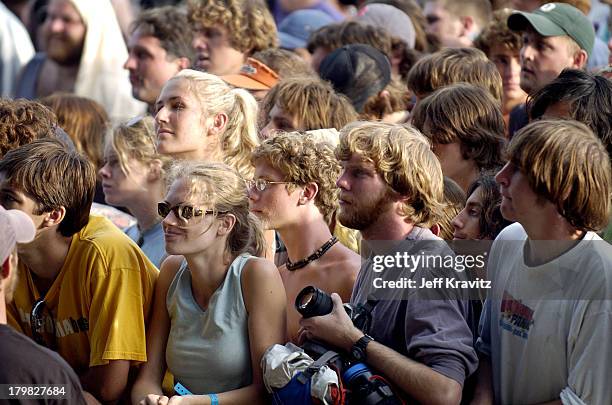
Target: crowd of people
x,y
174,173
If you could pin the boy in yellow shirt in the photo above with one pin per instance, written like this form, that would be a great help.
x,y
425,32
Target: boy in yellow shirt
x,y
84,289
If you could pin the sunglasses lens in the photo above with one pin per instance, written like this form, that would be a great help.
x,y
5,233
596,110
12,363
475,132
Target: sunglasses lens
x,y
187,212
163,209
261,185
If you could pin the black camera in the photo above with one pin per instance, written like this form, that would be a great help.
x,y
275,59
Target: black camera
x,y
312,301
365,387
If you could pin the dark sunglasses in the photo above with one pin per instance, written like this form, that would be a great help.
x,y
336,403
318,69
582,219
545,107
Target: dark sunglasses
x,y
37,322
184,212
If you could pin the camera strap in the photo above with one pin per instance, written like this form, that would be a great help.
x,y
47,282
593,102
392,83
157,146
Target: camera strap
x,y
327,357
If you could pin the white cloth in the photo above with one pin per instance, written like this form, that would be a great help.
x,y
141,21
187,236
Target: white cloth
x,y
15,49
101,76
544,346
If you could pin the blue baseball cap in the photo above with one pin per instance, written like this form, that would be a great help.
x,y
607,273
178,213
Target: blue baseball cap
x,y
295,29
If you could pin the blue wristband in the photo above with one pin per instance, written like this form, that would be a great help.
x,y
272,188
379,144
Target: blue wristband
x,y
213,399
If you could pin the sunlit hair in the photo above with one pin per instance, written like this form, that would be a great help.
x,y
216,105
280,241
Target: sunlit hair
x,y
53,177
403,157
313,102
84,120
302,160
491,221
496,32
137,140
454,65
284,62
466,114
565,163
396,99
239,137
479,10
220,188
454,201
249,24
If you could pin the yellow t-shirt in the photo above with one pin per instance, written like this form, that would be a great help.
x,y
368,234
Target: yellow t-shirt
x,y
97,306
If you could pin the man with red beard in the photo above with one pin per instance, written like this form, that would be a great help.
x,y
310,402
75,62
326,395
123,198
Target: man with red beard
x,y
85,52
391,188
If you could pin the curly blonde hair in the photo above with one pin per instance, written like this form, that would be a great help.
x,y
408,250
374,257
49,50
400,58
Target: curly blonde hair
x,y
404,159
302,160
223,190
249,24
239,137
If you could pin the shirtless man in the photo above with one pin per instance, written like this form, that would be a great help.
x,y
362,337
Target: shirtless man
x,y
294,193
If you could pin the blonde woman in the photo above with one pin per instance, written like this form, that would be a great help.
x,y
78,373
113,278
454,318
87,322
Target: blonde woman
x,y
217,306
200,117
132,177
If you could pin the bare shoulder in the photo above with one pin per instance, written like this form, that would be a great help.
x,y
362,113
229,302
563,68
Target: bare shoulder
x,y
345,260
168,269
259,270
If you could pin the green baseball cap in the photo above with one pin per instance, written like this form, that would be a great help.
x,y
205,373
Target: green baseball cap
x,y
556,19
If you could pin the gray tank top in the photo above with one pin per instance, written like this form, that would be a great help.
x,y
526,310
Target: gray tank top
x,y
208,351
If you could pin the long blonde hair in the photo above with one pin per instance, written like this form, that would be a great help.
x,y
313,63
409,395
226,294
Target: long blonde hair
x,y
239,137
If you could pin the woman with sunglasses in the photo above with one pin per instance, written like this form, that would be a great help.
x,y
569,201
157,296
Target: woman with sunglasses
x,y
200,117
132,177
217,306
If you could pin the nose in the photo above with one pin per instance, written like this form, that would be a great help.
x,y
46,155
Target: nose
x,y
502,177
252,193
526,53
161,116
104,171
457,222
199,42
342,182
130,63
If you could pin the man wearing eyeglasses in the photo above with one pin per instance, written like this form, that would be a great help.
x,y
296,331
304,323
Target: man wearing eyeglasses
x,y
23,361
294,193
86,288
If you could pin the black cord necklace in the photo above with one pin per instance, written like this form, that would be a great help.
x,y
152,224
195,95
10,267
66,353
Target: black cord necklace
x,y
320,252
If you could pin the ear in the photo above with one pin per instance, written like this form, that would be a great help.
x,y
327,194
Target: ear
x,y
467,26
580,59
309,193
53,218
384,94
435,229
182,63
219,122
226,224
155,170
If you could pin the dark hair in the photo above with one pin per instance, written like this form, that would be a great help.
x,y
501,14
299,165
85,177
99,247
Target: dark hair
x,y
588,98
334,36
491,221
284,62
467,114
54,177
169,25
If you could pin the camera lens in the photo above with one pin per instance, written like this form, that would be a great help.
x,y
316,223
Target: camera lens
x,y
313,302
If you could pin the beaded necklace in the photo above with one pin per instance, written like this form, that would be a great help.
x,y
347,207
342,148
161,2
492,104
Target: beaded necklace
x,y
317,254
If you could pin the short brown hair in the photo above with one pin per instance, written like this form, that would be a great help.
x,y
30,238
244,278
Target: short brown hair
x,y
53,177
334,36
84,120
565,163
466,114
396,99
23,121
480,10
303,160
249,24
454,65
284,62
498,33
167,24
403,158
313,101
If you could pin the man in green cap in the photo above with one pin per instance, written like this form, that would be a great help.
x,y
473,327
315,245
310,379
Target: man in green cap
x,y
555,36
